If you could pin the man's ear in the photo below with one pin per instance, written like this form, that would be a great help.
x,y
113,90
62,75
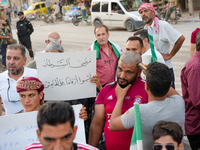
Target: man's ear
x,y
146,87
38,135
180,147
41,95
139,72
60,41
75,130
25,58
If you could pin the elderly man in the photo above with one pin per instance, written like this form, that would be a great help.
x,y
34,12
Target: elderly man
x,y
107,55
57,129
128,74
164,103
53,37
51,47
15,61
161,35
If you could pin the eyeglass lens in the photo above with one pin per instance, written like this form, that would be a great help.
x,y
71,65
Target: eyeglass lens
x,y
159,147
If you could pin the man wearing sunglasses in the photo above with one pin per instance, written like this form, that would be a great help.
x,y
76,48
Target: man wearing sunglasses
x,y
164,103
15,61
167,136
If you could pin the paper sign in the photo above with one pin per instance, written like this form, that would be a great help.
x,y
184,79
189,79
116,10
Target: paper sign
x,y
19,130
67,76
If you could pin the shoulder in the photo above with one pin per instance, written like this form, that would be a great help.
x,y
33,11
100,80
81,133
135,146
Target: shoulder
x,y
81,146
31,71
3,75
34,146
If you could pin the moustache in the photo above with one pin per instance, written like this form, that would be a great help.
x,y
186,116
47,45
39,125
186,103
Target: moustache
x,y
144,17
122,79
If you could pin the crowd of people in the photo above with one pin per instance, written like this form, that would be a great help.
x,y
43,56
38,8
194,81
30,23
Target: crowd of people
x,y
110,117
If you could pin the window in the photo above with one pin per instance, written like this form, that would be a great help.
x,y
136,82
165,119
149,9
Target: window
x,y
131,5
37,7
115,8
96,7
104,6
43,5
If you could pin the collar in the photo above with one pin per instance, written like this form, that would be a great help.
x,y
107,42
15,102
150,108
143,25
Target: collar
x,y
109,47
25,74
152,25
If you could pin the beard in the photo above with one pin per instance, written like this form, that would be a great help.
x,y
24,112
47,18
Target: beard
x,y
15,72
148,19
127,82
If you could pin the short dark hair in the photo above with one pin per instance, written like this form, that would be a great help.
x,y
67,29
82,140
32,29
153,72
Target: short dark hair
x,y
55,113
163,128
135,38
17,47
158,78
143,33
101,26
198,41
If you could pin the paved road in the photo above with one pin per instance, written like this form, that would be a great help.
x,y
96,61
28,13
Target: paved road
x,y
79,38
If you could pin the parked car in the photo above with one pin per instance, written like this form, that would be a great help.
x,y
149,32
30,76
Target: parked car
x,y
117,13
39,6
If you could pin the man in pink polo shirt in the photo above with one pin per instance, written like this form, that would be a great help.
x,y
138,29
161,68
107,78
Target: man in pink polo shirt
x,y
107,55
128,73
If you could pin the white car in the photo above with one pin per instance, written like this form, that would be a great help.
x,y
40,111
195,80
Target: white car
x,y
117,13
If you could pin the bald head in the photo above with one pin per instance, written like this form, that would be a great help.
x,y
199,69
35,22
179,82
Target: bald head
x,y
130,57
53,37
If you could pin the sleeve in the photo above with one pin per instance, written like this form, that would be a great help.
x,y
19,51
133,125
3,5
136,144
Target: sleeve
x,y
100,97
30,28
193,37
128,118
171,34
193,87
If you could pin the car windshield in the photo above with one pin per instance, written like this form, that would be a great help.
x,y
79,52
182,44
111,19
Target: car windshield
x,y
131,5
31,7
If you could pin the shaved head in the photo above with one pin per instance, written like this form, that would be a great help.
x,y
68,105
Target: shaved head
x,y
130,57
54,37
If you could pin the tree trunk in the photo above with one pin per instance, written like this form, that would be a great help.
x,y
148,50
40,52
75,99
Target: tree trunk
x,y
191,11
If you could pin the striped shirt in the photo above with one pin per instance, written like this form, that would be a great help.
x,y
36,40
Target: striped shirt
x,y
77,146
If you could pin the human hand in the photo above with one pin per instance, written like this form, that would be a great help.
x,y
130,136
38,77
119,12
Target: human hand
x,y
20,42
95,79
83,113
166,56
121,92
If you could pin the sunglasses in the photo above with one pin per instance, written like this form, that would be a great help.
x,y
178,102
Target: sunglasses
x,y
160,146
46,41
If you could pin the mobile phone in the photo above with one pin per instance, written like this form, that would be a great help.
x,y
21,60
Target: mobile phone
x,y
142,66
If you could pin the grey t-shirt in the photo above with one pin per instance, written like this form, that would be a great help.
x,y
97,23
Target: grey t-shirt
x,y
169,109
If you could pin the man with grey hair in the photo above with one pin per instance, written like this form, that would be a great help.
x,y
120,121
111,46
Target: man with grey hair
x,y
128,75
51,47
5,40
54,47
53,37
15,61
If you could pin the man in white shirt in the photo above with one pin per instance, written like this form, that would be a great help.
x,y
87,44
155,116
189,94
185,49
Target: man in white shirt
x,y
163,34
15,61
55,10
146,53
140,45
